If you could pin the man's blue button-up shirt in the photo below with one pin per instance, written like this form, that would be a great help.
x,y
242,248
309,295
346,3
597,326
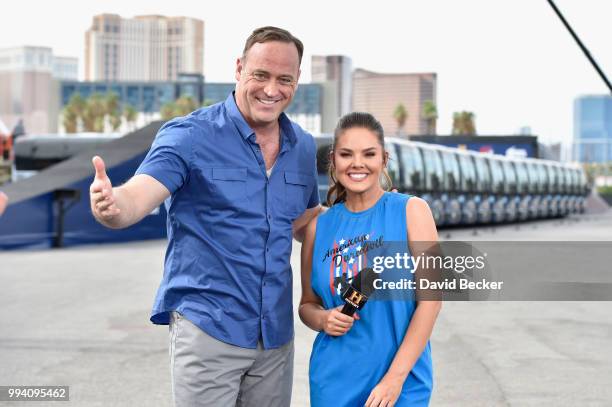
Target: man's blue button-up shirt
x,y
227,265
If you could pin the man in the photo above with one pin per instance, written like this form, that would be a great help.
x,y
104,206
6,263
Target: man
x,y
238,178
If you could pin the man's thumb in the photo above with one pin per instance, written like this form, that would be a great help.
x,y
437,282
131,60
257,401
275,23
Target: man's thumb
x,y
98,164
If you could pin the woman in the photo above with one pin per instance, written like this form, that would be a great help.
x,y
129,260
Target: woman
x,y
382,356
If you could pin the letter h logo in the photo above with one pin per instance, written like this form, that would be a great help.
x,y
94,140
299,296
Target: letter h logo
x,y
356,298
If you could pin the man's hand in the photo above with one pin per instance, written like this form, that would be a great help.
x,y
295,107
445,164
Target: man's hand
x,y
101,194
299,225
120,207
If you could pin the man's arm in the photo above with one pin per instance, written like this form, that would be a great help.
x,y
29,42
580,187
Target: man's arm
x,y
300,224
123,206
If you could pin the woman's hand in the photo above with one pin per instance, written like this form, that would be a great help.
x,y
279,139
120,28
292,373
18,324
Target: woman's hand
x,y
336,323
386,393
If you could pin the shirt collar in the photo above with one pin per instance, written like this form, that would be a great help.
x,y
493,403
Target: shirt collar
x,y
288,136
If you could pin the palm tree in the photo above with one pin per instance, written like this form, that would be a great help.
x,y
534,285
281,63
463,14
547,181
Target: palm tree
x,y
114,119
400,115
167,110
111,102
77,104
185,105
430,114
463,123
72,113
99,122
94,113
180,107
130,114
69,119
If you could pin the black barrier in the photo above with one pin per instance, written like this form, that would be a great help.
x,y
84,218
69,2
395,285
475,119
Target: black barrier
x,y
63,199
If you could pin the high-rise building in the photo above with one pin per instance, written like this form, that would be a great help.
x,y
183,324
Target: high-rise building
x,y
593,129
29,85
380,94
65,68
143,48
334,74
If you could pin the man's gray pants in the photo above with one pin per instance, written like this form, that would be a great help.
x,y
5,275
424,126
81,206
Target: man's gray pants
x,y
208,372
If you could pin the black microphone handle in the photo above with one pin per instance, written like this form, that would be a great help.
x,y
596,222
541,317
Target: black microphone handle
x,y
348,309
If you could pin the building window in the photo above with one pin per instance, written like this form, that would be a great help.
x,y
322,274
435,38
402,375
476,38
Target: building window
x,y
133,96
84,90
67,92
148,99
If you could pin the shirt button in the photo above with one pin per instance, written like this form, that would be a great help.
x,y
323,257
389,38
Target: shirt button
x,y
267,249
269,216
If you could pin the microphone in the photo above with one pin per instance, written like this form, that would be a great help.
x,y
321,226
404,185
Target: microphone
x,y
357,293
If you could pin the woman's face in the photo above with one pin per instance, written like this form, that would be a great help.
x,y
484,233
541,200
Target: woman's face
x,y
358,160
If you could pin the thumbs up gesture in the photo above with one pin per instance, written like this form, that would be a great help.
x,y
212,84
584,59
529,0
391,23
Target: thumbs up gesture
x,y
101,194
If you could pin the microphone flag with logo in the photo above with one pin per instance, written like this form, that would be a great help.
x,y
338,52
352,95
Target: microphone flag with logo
x,y
358,291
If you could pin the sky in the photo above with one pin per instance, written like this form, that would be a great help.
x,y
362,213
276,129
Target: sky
x,y
512,63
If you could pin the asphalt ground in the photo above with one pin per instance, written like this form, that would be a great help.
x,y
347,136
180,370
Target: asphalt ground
x,y
80,317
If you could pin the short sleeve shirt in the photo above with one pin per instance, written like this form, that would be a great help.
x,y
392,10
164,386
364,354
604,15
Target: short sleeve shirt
x,y
227,265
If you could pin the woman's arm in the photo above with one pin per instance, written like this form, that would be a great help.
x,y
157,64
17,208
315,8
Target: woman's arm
x,y
311,310
421,229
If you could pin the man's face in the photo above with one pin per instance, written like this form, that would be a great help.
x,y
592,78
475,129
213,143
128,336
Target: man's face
x,y
267,80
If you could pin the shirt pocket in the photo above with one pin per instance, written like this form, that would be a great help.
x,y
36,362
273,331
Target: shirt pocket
x,y
297,192
228,186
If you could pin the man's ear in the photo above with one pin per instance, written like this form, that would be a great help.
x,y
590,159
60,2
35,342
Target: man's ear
x,y
238,69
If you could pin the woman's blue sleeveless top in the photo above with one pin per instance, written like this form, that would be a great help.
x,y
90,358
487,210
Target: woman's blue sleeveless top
x,y
344,370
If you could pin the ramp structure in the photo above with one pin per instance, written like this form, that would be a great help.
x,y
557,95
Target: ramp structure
x,y
51,209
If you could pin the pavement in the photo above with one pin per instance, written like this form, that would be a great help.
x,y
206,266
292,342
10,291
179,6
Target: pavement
x,y
80,317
